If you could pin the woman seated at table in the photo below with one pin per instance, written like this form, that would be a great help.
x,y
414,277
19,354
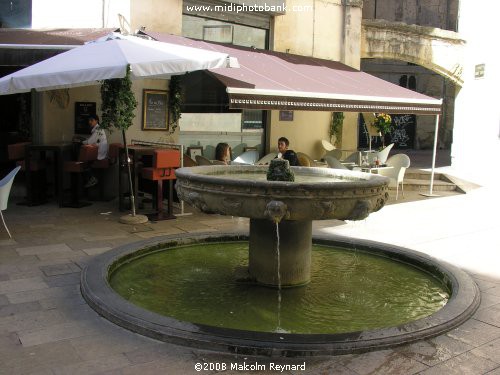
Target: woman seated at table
x,y
223,153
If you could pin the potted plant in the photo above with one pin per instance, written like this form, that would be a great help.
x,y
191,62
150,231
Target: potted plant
x,y
382,123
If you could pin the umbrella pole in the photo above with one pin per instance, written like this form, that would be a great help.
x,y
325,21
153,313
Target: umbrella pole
x,y
131,219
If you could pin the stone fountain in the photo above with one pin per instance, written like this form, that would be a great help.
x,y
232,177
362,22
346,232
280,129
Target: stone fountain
x,y
271,198
178,273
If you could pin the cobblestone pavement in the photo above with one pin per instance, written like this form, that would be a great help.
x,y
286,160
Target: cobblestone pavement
x,y
47,328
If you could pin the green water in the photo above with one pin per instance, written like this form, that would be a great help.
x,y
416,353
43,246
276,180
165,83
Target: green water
x,y
349,290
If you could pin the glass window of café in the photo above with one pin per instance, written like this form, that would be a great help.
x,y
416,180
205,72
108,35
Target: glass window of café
x,y
218,31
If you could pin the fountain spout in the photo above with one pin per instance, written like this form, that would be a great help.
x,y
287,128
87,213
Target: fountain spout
x,y
277,211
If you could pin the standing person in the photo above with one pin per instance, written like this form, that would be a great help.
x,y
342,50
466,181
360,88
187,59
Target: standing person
x,y
285,153
97,137
223,153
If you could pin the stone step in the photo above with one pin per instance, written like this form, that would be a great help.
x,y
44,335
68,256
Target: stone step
x,y
424,185
417,174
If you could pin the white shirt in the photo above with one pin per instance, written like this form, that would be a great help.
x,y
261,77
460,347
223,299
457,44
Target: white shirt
x,y
98,137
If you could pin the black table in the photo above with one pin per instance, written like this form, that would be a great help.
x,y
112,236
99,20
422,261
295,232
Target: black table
x,y
60,152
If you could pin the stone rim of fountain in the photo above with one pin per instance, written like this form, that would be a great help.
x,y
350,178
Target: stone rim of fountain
x,y
464,301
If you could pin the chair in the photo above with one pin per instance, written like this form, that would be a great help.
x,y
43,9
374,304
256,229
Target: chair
x,y
165,162
355,158
100,166
399,164
337,154
201,160
304,160
188,162
380,155
86,155
248,157
5,185
267,159
334,163
38,170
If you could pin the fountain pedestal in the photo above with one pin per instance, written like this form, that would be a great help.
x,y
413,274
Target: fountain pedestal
x,y
295,241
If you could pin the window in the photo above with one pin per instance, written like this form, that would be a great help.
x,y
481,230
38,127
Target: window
x,y
252,120
223,32
15,13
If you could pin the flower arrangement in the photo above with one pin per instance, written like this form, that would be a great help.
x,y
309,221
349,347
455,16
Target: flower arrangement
x,y
382,123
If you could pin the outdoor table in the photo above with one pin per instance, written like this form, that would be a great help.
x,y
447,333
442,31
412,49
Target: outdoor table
x,y
136,153
60,151
374,169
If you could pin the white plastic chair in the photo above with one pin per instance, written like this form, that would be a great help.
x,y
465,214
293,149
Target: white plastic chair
x,y
248,157
399,164
380,155
334,163
337,154
5,185
353,158
267,159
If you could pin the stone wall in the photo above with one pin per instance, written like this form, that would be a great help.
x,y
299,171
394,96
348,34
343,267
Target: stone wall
x,y
442,14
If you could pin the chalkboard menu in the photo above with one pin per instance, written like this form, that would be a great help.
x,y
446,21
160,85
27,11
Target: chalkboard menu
x,y
82,112
402,133
155,110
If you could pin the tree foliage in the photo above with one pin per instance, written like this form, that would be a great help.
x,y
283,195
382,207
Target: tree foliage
x,y
118,103
174,103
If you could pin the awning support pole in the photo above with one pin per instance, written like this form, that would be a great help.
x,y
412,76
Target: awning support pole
x,y
434,151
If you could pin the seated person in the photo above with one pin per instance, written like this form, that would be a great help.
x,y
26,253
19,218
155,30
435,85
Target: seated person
x,y
223,153
285,153
97,137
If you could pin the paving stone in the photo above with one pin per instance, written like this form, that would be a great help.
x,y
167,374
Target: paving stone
x,y
122,341
96,250
433,351
382,362
58,332
62,280
4,277
490,315
331,368
160,232
475,333
30,320
163,366
37,358
491,351
495,371
21,285
8,242
484,285
488,300
463,364
105,237
73,256
60,269
18,308
44,249
60,302
36,295
93,366
3,300
494,290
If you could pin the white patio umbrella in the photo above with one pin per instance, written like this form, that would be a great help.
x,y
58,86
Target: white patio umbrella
x,y
108,58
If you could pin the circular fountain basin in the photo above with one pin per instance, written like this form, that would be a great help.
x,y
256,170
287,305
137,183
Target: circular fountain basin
x,y
281,338
316,193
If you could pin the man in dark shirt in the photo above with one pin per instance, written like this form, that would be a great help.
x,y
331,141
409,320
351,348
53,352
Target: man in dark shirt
x,y
285,153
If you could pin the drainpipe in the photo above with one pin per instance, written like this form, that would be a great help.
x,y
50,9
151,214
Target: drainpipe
x,y
103,9
344,32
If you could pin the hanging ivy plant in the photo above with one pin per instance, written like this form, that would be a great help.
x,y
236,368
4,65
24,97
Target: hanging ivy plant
x,y
336,127
174,103
118,103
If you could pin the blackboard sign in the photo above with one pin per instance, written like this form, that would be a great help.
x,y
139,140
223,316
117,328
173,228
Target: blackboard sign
x,y
154,110
402,133
82,112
